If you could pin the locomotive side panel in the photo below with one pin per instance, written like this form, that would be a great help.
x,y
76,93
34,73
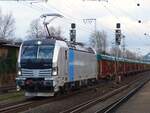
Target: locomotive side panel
x,y
82,65
62,66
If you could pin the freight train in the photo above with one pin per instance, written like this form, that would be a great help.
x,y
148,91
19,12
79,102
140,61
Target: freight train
x,y
48,66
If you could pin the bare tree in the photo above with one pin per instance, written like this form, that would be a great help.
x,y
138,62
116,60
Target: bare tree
x,y
127,54
7,26
98,40
36,29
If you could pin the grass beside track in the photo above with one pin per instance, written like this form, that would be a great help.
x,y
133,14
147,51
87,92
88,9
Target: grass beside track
x,y
13,95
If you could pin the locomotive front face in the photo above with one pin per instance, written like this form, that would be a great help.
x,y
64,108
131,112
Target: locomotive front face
x,y
35,69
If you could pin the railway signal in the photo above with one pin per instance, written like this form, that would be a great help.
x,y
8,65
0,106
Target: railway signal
x,y
73,33
118,42
118,34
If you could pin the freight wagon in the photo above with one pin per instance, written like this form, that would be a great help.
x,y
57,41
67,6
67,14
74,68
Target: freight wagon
x,y
110,66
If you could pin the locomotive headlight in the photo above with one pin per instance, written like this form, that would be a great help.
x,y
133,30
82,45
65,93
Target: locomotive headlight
x,y
55,71
18,88
39,42
19,72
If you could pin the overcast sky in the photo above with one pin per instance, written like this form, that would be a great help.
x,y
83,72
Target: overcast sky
x,y
107,15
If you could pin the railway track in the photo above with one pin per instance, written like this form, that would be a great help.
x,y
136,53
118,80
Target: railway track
x,y
31,103
14,108
111,107
22,105
114,106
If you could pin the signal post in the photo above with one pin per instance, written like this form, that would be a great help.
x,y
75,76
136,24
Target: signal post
x,y
117,43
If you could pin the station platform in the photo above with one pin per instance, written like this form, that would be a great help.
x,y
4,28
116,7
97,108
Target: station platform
x,y
138,103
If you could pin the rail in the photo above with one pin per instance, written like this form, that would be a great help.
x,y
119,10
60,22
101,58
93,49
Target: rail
x,y
113,106
84,106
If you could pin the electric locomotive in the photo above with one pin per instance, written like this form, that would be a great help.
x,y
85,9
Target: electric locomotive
x,y
47,66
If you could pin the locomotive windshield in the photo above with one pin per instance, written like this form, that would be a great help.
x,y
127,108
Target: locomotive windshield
x,y
37,56
45,52
37,52
29,52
